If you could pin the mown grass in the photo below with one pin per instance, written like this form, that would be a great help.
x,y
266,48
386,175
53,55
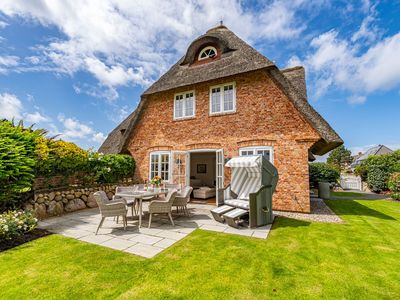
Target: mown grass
x,y
346,194
355,260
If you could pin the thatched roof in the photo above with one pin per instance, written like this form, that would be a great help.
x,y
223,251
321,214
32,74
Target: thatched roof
x,y
235,57
116,138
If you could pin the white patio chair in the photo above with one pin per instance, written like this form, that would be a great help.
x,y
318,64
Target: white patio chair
x,y
163,206
130,200
182,199
109,208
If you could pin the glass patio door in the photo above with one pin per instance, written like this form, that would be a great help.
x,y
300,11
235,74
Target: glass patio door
x,y
219,173
179,167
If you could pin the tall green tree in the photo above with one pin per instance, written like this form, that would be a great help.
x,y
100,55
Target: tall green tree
x,y
340,158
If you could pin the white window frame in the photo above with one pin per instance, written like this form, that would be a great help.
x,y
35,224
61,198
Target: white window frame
x,y
184,105
205,49
258,148
159,153
221,98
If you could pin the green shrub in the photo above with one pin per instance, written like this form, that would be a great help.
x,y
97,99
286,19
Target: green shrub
x,y
377,169
17,161
110,168
322,172
15,223
394,185
61,157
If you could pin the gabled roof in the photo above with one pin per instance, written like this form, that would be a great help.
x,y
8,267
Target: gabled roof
x,y
236,57
377,150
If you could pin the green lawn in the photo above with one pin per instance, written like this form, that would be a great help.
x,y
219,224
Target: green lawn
x,y
346,194
356,260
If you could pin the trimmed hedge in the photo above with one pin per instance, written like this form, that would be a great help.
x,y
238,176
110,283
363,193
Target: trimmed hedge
x,y
322,172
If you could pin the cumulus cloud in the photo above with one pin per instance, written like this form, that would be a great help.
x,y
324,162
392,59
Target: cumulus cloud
x,y
74,130
10,106
35,117
338,62
133,42
9,60
3,24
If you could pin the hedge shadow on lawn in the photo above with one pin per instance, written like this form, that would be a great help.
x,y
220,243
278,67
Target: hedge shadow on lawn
x,y
289,222
358,209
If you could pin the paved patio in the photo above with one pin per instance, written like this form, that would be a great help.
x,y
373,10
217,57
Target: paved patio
x,y
146,242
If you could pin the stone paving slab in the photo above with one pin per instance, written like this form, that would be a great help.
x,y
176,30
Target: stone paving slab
x,y
146,242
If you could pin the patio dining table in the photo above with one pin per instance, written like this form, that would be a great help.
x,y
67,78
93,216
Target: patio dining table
x,y
143,195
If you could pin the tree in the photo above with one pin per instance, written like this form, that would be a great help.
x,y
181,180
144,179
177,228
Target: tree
x,y
340,157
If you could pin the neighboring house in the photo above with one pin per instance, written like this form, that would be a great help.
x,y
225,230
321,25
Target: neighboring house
x,y
224,99
377,150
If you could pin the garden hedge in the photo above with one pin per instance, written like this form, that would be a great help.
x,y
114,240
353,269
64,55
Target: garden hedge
x,y
322,172
377,169
26,153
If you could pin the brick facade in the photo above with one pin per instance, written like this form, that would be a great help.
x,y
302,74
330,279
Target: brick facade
x,y
264,117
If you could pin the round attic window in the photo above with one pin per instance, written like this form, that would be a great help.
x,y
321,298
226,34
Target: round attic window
x,y
207,52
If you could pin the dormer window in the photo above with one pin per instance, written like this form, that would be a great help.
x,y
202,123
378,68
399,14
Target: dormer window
x,y
207,52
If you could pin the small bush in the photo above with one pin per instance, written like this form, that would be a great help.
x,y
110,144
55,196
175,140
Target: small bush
x,y
16,223
111,167
60,157
377,169
394,185
17,161
322,172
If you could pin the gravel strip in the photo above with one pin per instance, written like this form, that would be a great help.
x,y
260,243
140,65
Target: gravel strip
x,y
320,212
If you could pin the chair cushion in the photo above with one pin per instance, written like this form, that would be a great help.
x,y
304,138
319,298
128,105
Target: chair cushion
x,y
237,203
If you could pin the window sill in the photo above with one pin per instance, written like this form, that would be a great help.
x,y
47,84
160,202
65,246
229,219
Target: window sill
x,y
222,113
184,119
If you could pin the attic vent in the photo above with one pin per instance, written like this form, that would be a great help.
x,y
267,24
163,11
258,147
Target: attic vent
x,y
122,131
207,52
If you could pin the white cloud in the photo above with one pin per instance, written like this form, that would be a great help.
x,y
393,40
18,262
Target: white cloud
x,y
74,130
9,60
338,62
354,99
123,42
35,117
98,137
33,59
3,24
10,106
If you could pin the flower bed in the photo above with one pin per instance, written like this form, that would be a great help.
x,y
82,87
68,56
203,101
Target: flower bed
x,y
16,223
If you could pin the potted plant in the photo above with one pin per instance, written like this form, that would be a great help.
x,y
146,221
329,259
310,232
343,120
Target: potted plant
x,y
156,181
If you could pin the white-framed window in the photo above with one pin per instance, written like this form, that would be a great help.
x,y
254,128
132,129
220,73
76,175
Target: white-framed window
x,y
160,165
265,151
223,98
207,52
184,105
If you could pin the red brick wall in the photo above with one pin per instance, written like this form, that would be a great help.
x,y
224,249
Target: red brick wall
x,y
264,116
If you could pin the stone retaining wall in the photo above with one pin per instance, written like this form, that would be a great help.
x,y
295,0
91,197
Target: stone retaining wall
x,y
57,202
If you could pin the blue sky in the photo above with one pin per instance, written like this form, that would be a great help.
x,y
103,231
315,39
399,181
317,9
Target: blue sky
x,y
78,68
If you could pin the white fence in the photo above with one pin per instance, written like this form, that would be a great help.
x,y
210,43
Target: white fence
x,y
350,182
